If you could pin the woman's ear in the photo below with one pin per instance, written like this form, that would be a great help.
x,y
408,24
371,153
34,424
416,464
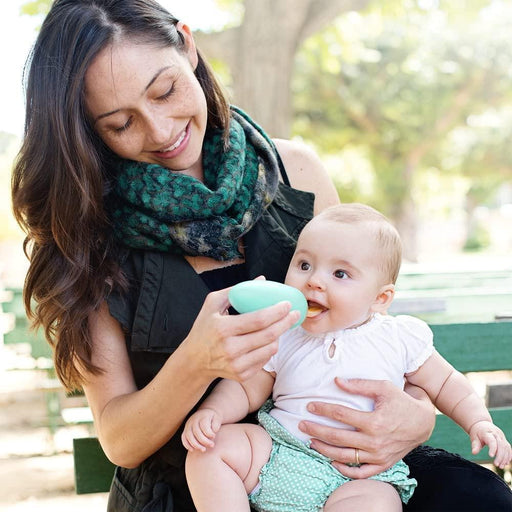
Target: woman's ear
x,y
190,45
384,298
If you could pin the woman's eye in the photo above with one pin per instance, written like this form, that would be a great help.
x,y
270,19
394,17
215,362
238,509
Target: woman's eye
x,y
125,126
167,94
305,266
340,274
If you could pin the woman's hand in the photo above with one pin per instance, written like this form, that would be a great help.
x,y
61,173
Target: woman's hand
x,y
237,346
400,422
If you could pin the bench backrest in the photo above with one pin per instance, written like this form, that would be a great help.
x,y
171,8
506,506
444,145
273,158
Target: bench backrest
x,y
476,347
469,347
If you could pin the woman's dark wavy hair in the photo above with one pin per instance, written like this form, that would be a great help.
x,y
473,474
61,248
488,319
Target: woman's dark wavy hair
x,y
61,175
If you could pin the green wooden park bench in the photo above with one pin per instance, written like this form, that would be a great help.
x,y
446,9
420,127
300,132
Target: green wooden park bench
x,y
473,347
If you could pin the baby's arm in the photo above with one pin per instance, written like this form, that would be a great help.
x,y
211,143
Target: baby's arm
x,y
229,402
454,396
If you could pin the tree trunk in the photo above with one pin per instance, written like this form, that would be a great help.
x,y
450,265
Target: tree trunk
x,y
260,53
407,225
406,214
265,53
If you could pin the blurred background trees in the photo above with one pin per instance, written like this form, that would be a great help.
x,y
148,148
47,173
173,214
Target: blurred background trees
x,y
408,102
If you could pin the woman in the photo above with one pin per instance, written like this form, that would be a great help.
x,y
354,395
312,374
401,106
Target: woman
x,y
144,196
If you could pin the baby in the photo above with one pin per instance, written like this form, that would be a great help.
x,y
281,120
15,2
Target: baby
x,y
346,263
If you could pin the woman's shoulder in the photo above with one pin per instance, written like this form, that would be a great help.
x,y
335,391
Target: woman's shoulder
x,y
306,172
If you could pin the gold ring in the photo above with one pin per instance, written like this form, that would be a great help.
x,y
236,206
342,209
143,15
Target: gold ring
x,y
357,463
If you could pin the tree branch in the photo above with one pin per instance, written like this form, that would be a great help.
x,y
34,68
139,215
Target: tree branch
x,y
322,12
218,45
445,122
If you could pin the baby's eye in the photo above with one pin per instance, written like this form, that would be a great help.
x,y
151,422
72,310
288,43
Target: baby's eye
x,y
340,274
305,265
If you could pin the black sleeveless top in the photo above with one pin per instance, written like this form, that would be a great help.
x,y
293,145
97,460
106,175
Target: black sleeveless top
x,y
164,299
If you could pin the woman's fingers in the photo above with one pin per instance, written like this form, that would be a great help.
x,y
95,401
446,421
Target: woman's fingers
x,y
235,346
217,301
397,424
341,413
255,337
363,471
277,316
337,444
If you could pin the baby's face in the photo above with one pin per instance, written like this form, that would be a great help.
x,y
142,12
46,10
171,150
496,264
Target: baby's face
x,y
335,267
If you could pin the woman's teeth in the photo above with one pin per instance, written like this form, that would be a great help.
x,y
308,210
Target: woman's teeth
x,y
176,144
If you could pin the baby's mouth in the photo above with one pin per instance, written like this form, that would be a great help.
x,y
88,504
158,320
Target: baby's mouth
x,y
314,309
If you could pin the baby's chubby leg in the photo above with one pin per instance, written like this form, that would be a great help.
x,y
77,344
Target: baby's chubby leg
x,y
367,495
221,477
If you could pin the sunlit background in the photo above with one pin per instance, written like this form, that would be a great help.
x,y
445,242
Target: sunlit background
x,y
407,102
17,34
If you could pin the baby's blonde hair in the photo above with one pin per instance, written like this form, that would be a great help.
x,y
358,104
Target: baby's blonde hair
x,y
386,235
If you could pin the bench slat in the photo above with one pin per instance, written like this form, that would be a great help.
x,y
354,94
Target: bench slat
x,y
93,471
475,347
469,347
449,436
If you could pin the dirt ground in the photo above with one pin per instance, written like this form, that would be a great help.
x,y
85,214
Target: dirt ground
x,y
36,467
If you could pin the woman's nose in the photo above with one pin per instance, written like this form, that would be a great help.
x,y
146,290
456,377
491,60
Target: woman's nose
x,y
158,130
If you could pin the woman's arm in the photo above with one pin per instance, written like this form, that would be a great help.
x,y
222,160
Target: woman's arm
x,y
132,424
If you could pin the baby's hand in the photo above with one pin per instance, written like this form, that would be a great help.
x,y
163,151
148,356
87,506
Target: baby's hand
x,y
486,433
200,430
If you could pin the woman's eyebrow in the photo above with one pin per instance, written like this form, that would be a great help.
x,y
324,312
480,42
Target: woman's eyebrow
x,y
150,83
157,74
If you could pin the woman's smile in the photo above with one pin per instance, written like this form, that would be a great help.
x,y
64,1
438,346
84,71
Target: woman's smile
x,y
148,106
176,147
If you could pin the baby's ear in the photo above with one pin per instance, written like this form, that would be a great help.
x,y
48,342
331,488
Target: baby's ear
x,y
384,298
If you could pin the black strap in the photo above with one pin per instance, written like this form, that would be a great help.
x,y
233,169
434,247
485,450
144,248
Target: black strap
x,y
282,170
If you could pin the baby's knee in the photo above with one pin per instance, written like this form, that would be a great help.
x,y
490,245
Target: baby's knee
x,y
229,440
197,462
367,495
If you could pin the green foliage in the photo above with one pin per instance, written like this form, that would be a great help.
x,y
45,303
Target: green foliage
x,y
406,90
478,238
36,7
411,91
234,7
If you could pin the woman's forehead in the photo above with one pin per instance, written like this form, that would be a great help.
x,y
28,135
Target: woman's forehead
x,y
124,71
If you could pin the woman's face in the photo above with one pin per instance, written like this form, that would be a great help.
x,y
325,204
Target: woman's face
x,y
147,105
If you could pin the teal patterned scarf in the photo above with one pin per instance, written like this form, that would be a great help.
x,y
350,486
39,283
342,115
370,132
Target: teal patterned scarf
x,y
157,209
